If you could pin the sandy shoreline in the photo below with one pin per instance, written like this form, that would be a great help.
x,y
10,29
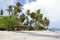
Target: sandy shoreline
x,y
29,35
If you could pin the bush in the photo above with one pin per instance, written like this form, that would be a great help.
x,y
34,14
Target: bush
x,y
8,23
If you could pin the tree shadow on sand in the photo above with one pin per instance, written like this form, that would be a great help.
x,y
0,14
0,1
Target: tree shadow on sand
x,y
39,35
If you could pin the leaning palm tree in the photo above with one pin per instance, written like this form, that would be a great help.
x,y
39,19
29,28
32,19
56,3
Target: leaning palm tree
x,y
9,9
38,15
37,18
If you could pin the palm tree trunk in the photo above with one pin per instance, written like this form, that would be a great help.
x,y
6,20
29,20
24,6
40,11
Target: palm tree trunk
x,y
9,13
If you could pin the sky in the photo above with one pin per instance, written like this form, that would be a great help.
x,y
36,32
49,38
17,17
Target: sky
x,y
49,8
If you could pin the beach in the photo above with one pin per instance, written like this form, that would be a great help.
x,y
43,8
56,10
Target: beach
x,y
29,35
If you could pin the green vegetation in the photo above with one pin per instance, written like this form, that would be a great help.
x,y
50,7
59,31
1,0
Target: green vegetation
x,y
10,22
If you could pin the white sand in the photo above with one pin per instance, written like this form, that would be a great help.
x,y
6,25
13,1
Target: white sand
x,y
29,35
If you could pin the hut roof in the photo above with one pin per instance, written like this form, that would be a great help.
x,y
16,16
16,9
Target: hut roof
x,y
23,26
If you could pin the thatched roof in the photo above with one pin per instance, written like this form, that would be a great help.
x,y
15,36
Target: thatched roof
x,y
23,26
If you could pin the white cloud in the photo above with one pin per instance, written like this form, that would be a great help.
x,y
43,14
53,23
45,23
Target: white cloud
x,y
50,8
43,4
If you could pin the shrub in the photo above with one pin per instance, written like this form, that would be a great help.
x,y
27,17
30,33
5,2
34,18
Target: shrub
x,y
8,23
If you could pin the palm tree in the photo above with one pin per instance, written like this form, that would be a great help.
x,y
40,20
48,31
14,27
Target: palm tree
x,y
32,15
46,22
17,8
31,21
37,17
9,9
22,17
18,4
28,12
27,20
1,12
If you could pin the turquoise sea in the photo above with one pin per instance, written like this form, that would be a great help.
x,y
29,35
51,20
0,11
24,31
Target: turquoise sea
x,y
58,31
55,30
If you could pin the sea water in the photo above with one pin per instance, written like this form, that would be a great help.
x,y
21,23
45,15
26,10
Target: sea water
x,y
58,30
55,30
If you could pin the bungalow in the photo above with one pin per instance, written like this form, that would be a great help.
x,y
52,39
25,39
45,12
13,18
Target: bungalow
x,y
23,27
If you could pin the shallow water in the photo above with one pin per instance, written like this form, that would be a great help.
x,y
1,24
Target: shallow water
x,y
55,30
58,31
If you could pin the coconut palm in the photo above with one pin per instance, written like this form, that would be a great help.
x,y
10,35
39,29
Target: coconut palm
x,y
27,17
31,21
38,16
27,20
46,22
9,9
28,12
17,8
32,15
1,12
22,18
